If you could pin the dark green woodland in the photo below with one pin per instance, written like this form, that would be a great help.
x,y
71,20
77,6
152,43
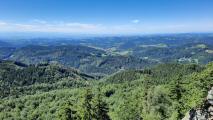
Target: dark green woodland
x,y
107,78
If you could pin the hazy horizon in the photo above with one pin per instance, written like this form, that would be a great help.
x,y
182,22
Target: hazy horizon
x,y
106,17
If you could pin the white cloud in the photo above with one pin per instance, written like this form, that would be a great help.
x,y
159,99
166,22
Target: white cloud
x,y
80,25
39,21
2,23
76,27
135,21
44,26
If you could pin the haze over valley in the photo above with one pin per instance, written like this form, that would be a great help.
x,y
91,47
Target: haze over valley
x,y
106,60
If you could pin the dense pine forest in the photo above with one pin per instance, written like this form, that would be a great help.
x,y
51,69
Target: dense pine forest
x,y
122,78
106,59
165,91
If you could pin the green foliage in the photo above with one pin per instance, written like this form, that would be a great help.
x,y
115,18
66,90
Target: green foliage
x,y
17,79
66,112
164,92
125,76
100,107
87,59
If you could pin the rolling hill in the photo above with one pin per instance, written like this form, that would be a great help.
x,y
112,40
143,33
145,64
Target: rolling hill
x,y
86,59
143,95
19,79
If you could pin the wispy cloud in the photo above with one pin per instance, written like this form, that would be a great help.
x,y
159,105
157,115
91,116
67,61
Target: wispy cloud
x,y
37,25
135,21
2,23
44,26
39,21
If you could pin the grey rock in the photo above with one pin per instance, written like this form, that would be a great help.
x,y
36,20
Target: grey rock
x,y
203,113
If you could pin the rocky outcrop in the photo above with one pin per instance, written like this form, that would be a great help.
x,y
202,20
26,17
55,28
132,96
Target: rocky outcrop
x,y
203,113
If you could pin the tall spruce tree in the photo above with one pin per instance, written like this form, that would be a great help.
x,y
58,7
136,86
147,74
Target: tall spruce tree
x,y
100,107
176,95
87,111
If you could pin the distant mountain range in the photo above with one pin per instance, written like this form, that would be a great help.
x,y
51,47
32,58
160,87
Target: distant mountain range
x,y
4,44
155,77
106,55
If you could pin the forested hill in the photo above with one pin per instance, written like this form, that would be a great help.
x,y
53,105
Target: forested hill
x,y
164,92
102,56
4,44
19,79
87,59
152,77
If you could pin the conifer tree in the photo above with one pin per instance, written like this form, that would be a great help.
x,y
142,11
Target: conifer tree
x,y
87,113
100,107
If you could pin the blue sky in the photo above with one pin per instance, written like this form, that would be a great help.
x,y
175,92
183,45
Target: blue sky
x,y
106,16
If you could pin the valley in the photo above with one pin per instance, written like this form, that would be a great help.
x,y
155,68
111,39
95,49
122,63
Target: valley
x,y
153,77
